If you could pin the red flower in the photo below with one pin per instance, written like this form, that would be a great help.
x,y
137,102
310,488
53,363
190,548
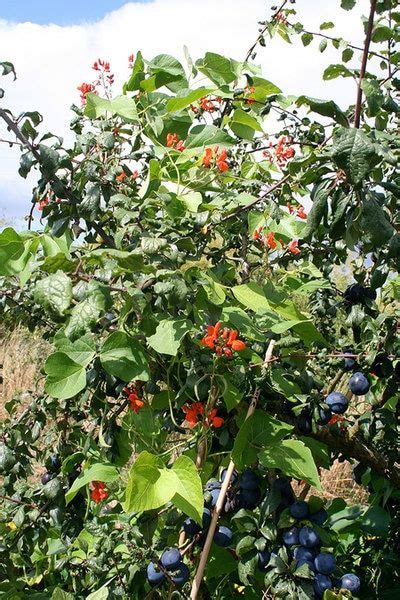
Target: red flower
x,y
44,202
220,159
223,166
213,420
257,233
249,91
290,208
135,402
131,60
172,138
292,247
212,334
121,177
86,88
180,146
99,491
270,241
301,213
192,413
207,158
224,342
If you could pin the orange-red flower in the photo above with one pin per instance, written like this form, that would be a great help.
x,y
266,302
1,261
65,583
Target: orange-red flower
x,y
180,146
212,335
43,202
290,208
280,152
219,156
270,241
99,491
300,213
135,402
223,342
293,247
173,141
84,89
131,60
121,177
249,91
213,420
193,413
207,158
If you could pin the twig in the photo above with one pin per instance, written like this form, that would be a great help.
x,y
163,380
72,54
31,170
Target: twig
x,y
261,34
364,63
18,501
221,498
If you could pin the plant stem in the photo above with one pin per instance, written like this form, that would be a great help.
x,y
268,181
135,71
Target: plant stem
x,y
364,64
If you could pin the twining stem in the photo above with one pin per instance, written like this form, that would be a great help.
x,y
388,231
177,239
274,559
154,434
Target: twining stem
x,y
221,498
364,63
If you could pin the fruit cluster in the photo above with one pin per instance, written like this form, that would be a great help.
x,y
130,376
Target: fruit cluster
x,y
170,568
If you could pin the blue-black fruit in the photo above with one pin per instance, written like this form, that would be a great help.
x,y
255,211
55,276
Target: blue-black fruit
x,y
337,402
154,575
206,520
213,484
54,463
299,509
291,536
214,494
171,558
283,486
308,537
263,559
358,384
321,583
301,553
249,480
190,527
325,563
249,498
350,582
319,517
304,422
325,415
303,561
181,576
234,477
349,363
46,477
223,536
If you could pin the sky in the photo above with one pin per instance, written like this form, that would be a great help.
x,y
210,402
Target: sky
x,y
53,44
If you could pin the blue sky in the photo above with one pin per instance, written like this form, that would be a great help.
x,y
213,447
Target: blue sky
x,y
60,12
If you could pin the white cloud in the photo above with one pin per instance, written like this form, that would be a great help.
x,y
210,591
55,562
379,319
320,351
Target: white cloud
x,y
51,60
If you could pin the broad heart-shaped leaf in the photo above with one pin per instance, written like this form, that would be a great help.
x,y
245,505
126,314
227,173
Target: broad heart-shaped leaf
x,y
189,493
355,153
100,594
97,472
293,458
232,396
59,594
121,106
220,562
186,97
207,135
65,377
124,357
327,108
252,296
241,321
81,351
84,315
374,221
54,292
168,335
244,125
11,248
217,68
257,432
150,484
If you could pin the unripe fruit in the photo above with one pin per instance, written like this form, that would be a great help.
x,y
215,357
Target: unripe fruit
x,y
223,536
325,563
337,402
350,582
308,537
171,558
299,509
154,575
358,384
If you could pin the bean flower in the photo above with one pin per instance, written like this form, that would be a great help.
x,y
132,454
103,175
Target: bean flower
x,y
99,491
195,414
222,341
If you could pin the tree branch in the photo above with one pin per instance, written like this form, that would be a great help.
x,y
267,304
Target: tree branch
x,y
364,64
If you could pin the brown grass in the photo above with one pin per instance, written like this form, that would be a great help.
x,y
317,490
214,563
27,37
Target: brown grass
x,y
22,355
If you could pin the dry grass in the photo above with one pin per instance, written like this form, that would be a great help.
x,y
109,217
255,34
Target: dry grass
x,y
22,355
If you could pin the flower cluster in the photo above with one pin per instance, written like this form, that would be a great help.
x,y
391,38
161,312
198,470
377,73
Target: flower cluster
x,y
268,240
217,157
280,18
222,341
299,211
43,202
105,79
207,104
85,89
280,152
135,402
99,491
248,93
131,60
195,413
173,141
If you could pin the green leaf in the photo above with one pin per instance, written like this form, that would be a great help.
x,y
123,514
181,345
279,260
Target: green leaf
x,y
244,125
207,135
232,396
121,106
252,296
376,521
124,357
59,594
97,472
168,335
348,4
264,89
319,450
319,209
217,68
81,351
84,315
241,321
334,71
373,95
220,562
189,496
65,377
186,97
54,293
283,383
355,153
375,222
214,290
137,74
100,594
293,458
326,25
258,431
327,108
307,38
150,484
322,45
11,248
